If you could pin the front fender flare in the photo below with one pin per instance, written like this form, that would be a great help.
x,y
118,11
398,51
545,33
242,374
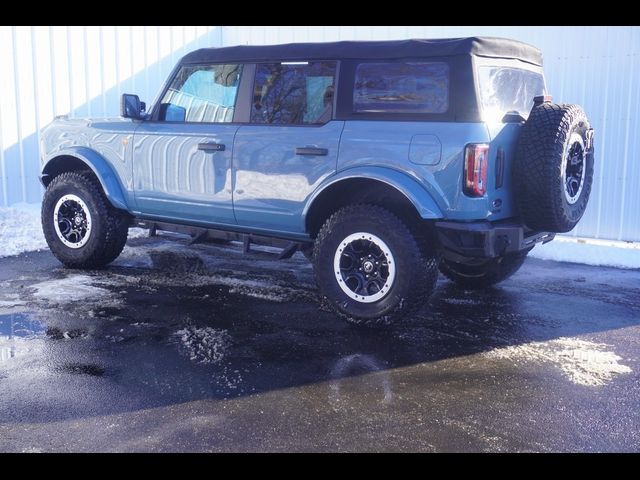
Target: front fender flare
x,y
99,166
423,202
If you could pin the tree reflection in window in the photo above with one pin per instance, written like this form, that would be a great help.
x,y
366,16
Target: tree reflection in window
x,y
401,87
293,94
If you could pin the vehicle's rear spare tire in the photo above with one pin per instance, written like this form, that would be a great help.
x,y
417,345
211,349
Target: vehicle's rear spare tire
x,y
553,171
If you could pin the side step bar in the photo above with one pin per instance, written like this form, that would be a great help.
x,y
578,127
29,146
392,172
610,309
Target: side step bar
x,y
202,235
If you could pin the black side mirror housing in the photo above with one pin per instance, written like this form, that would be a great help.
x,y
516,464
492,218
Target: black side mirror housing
x,y
131,106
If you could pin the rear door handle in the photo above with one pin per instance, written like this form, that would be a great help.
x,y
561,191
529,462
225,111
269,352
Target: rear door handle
x,y
211,147
312,151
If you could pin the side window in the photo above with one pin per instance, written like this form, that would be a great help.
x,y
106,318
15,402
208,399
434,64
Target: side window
x,y
293,93
401,87
202,93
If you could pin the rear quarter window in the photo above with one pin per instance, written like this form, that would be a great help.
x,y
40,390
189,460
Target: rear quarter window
x,y
401,87
508,89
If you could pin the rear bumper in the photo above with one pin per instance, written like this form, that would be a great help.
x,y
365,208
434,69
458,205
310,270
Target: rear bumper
x,y
463,240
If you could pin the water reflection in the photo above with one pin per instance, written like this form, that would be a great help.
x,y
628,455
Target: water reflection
x,y
12,326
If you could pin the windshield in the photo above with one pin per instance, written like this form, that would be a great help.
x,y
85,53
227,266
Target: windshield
x,y
504,89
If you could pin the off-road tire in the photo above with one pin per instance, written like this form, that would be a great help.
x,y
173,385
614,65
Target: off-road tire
x,y
415,263
485,274
109,224
537,174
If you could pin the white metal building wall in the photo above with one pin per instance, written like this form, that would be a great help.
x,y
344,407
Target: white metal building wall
x,y
81,71
597,67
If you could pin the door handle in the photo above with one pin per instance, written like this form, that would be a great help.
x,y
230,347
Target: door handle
x,y
211,147
312,151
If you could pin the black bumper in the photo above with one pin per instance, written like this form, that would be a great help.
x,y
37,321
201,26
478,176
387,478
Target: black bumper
x,y
486,239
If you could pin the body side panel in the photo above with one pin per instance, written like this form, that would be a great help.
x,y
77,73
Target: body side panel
x,y
272,184
105,145
387,144
174,177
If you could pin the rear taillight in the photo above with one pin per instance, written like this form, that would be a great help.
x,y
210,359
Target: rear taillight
x,y
475,169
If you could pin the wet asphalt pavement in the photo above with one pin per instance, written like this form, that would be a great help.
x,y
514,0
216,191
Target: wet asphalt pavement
x,y
202,348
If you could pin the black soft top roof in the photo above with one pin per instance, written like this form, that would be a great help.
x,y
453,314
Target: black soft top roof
x,y
480,46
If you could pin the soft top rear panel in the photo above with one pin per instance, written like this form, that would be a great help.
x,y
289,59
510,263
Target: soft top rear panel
x,y
417,48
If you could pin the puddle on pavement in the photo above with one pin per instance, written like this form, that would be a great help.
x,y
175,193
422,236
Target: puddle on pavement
x,y
16,325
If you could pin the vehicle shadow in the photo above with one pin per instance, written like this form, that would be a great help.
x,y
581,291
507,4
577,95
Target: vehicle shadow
x,y
170,323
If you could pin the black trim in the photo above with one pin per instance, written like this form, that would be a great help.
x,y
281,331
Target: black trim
x,y
484,239
312,152
299,237
212,147
499,168
242,113
200,234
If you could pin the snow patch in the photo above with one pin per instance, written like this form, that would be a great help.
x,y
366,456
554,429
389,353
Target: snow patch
x,y
136,232
204,345
461,301
134,257
263,289
611,254
10,302
70,289
583,362
20,229
257,289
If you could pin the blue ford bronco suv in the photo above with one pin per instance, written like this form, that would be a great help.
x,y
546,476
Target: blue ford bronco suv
x,y
383,162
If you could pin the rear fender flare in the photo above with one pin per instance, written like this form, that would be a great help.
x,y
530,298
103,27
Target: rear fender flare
x,y
423,202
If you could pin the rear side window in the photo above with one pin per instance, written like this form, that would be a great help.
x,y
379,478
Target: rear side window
x,y
293,93
504,89
401,87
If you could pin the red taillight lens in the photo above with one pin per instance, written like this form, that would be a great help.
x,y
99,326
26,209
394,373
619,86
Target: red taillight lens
x,y
475,169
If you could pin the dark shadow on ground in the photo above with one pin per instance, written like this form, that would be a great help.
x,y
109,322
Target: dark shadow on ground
x,y
171,323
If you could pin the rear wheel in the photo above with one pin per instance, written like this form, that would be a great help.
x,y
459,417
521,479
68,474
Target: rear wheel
x,y
484,273
370,267
81,227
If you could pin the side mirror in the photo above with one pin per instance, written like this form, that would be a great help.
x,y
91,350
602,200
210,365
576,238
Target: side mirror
x,y
131,106
172,113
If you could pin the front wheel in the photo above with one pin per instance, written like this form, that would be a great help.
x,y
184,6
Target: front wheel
x,y
370,267
484,273
81,227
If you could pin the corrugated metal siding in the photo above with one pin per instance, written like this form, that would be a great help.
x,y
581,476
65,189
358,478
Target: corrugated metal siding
x,y
597,67
81,71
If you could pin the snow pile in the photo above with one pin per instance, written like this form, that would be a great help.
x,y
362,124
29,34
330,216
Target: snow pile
x,y
590,252
583,362
71,289
461,301
136,232
20,229
204,345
